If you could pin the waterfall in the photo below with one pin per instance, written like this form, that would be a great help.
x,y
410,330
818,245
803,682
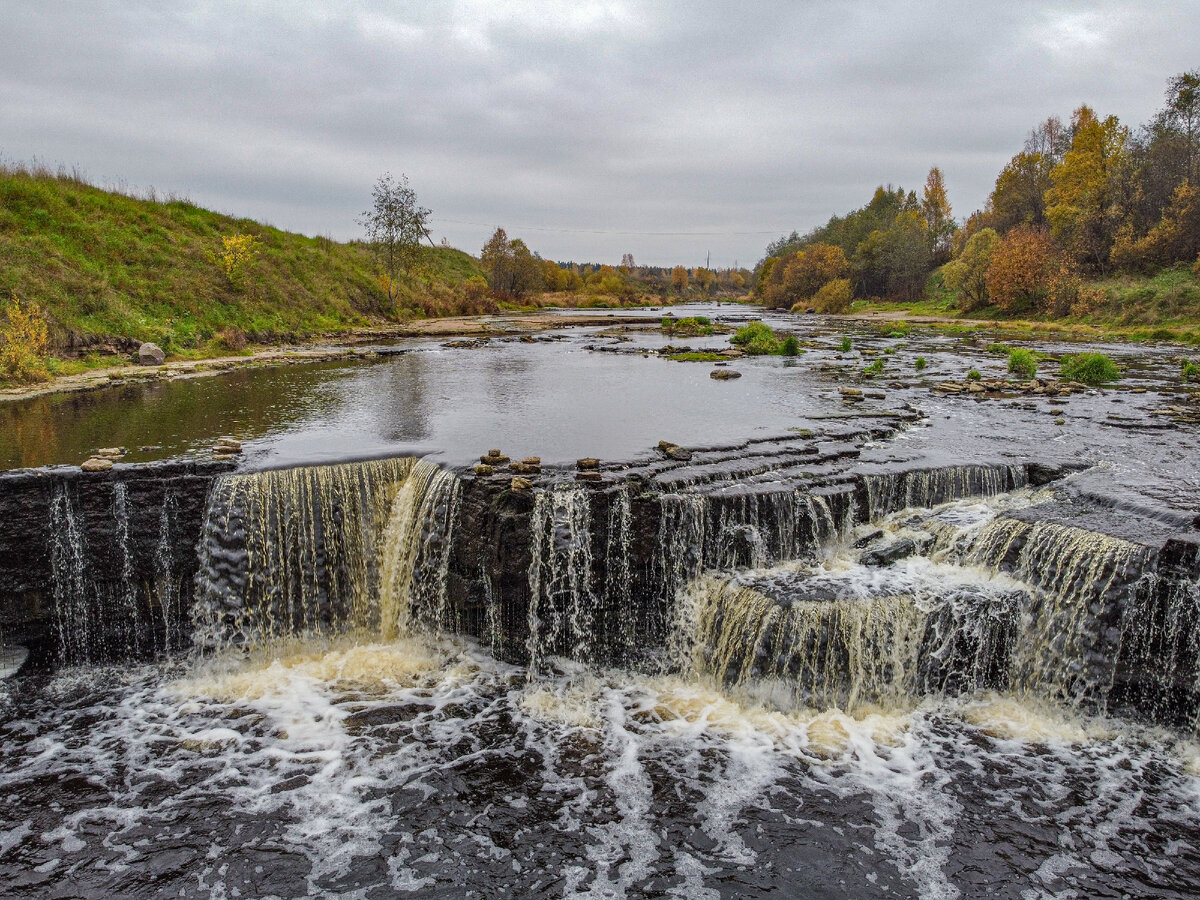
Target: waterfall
x,y
891,492
840,634
111,600
323,550
1068,647
562,576
1038,608
68,555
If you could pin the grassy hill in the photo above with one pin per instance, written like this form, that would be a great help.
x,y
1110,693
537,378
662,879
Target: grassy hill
x,y
111,269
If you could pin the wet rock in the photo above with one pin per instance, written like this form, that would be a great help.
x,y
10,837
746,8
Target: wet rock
x,y
589,477
674,451
524,468
532,461
494,458
96,464
150,354
520,485
227,446
150,448
588,464
867,539
483,471
976,387
875,395
885,556
110,452
724,374
853,395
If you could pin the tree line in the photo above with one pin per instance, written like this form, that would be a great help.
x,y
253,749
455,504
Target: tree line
x,y
1082,199
516,272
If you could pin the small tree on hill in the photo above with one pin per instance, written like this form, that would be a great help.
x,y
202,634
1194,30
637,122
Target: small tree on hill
x,y
395,224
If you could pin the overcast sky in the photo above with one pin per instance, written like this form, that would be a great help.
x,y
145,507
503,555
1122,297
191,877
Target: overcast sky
x,y
591,129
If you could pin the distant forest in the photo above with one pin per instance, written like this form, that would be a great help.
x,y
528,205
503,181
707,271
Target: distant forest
x,y
1081,201
516,272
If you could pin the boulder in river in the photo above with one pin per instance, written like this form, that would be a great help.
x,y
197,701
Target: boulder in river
x,y
588,464
150,354
674,451
96,464
886,555
724,374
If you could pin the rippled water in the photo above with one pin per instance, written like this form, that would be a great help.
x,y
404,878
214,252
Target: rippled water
x,y
425,766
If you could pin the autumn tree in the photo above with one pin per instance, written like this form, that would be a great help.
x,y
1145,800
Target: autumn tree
x,y
895,262
1183,113
1082,204
1022,269
1019,195
512,269
805,272
679,279
939,219
394,224
967,275
1176,237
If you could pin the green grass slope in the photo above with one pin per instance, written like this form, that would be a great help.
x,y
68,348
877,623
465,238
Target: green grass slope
x,y
109,269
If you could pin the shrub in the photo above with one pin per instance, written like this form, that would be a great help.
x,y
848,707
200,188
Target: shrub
x,y
875,368
235,256
1022,362
846,344
790,346
920,363
1189,371
755,334
833,297
26,341
1088,368
974,375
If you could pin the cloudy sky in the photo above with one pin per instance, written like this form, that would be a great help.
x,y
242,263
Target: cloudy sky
x,y
668,130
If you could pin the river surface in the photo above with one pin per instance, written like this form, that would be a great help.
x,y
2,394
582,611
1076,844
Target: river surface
x,y
369,766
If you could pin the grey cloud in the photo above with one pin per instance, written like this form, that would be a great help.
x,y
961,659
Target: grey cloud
x,y
571,117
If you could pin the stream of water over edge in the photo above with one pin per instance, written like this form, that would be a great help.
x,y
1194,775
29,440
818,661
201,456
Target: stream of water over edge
x,y
823,726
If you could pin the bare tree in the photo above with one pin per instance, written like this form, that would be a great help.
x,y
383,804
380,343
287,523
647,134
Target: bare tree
x,y
395,224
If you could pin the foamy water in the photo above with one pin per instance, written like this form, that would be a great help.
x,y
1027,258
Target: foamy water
x,y
425,767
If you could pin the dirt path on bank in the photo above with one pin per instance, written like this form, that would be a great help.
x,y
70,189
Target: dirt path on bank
x,y
342,345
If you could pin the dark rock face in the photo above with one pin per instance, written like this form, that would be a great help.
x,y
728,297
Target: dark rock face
x,y
103,566
100,566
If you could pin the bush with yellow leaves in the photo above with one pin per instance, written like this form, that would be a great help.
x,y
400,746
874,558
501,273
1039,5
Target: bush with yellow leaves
x,y
26,341
237,253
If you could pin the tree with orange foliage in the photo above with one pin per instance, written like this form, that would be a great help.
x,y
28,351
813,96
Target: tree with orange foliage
x,y
1022,270
679,279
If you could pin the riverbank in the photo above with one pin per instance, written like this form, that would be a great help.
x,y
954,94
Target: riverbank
x,y
358,342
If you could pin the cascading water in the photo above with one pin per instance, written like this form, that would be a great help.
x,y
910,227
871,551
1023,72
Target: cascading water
x,y
109,603
325,550
825,707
